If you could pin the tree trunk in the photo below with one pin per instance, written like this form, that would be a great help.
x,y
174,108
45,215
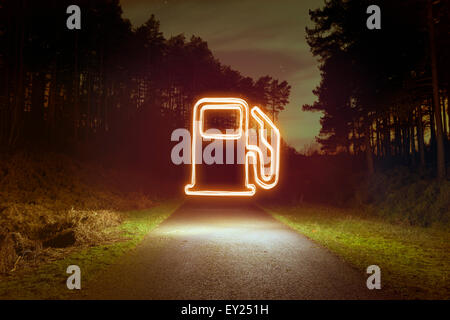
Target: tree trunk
x,y
432,126
368,147
420,141
51,134
17,111
387,136
36,115
411,138
76,108
444,117
440,156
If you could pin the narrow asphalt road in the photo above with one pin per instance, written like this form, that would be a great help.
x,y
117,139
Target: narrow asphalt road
x,y
228,250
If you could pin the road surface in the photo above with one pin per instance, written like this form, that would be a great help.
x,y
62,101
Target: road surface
x,y
215,249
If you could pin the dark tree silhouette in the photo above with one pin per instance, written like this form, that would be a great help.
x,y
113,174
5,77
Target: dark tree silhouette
x,y
377,95
109,89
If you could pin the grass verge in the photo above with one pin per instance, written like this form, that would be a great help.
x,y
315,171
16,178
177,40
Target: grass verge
x,y
49,281
414,261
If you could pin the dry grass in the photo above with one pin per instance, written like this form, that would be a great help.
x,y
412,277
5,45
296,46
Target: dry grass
x,y
52,201
8,254
47,280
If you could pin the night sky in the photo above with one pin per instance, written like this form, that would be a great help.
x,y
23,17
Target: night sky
x,y
255,37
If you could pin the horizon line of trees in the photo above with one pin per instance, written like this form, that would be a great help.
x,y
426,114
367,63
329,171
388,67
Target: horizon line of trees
x,y
109,83
384,93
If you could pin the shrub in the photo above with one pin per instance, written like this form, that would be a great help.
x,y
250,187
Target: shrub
x,y
406,196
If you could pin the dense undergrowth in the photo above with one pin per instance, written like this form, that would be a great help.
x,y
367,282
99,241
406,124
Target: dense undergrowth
x,y
402,195
396,193
53,201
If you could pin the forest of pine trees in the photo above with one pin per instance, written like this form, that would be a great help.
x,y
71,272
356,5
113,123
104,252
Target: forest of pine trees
x,y
384,93
108,85
110,88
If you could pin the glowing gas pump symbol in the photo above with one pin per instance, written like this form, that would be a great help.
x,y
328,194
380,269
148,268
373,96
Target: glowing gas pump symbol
x,y
263,179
